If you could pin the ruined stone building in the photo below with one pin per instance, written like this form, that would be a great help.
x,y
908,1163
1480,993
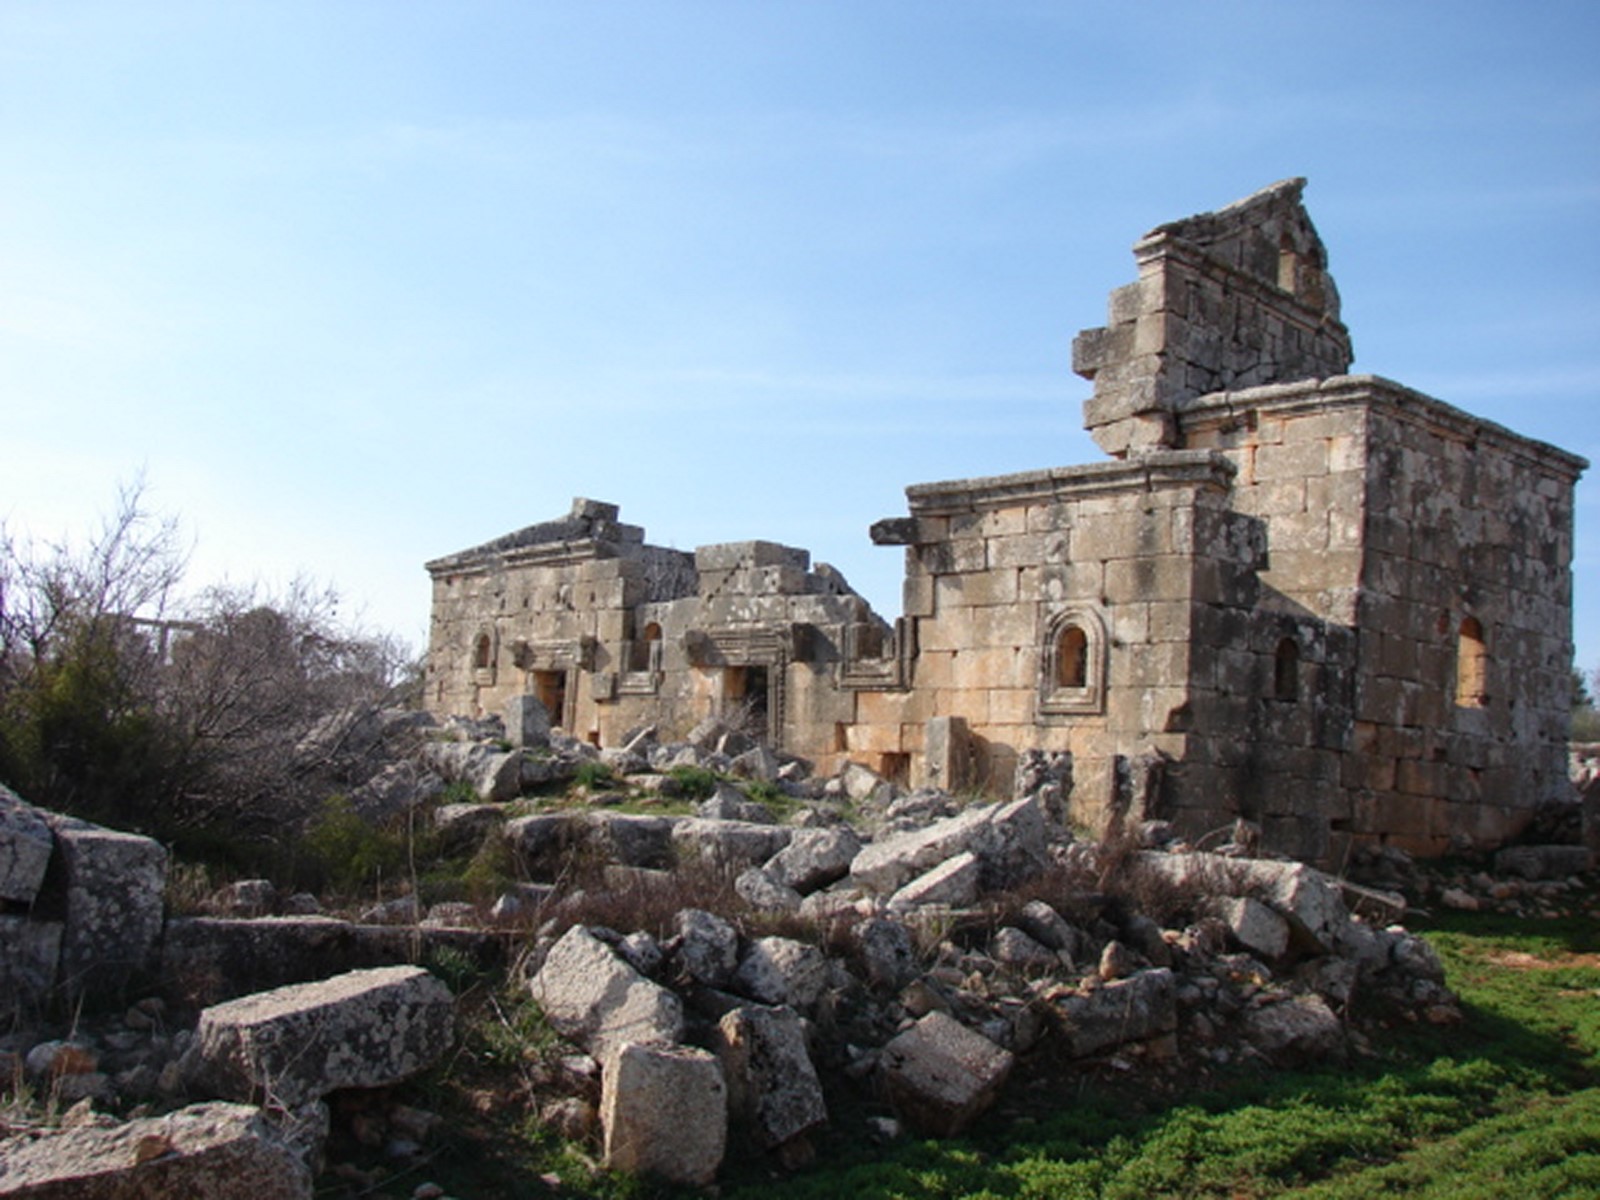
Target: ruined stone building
x,y
1319,601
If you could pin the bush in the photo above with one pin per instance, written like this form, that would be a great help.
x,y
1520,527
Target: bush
x,y
694,783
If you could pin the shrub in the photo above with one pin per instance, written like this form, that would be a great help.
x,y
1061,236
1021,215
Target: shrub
x,y
693,783
593,775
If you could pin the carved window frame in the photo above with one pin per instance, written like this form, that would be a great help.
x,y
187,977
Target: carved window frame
x,y
1055,698
483,655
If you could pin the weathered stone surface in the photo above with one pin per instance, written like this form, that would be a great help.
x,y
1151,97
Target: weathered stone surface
x,y
203,1152
729,844
1134,1009
773,1087
1045,925
886,952
728,803
665,1113
1302,1029
541,839
205,960
860,783
30,952
293,1044
758,888
1015,948
465,825
527,723
779,970
887,865
113,886
25,846
953,882
708,947
814,858
1309,900
1543,862
1254,926
495,775
593,997
628,839
941,1076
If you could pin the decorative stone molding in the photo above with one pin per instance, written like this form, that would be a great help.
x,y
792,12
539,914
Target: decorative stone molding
x,y
1072,674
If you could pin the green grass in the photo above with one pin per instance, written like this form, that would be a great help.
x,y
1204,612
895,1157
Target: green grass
x,y
1505,1104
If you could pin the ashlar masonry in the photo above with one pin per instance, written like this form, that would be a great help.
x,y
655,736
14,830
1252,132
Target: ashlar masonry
x,y
1321,602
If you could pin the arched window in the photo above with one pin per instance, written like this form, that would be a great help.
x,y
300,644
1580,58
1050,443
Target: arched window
x,y
1472,665
1072,663
483,653
644,654
1072,657
1286,670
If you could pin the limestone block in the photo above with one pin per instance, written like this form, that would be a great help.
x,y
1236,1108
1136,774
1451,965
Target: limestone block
x,y
1047,926
779,970
757,887
629,839
728,803
30,952
293,1044
887,865
953,882
815,858
1254,926
708,947
204,1152
1134,1009
773,1087
1016,949
941,1076
25,845
665,1113
1308,899
729,844
114,883
527,722
1300,1030
887,952
594,998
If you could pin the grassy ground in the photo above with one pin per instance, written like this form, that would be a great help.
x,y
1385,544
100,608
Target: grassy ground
x,y
1507,1104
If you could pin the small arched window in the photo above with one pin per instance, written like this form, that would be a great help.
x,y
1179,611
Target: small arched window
x,y
483,653
1072,667
644,652
1072,657
1472,665
1286,670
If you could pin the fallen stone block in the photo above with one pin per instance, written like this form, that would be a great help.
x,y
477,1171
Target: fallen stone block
x,y
773,1089
953,883
1309,900
203,1152
708,947
298,1043
1134,1009
113,884
25,847
1254,926
628,839
594,998
885,866
779,970
729,844
664,1110
886,952
1297,1031
814,858
941,1076
759,889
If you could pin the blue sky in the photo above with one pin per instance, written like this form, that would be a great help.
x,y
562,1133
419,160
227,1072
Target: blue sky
x,y
359,284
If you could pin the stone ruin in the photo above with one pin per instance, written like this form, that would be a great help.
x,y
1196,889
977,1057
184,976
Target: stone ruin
x,y
1318,602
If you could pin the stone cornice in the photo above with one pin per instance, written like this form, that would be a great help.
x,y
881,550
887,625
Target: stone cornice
x,y
1157,471
1376,392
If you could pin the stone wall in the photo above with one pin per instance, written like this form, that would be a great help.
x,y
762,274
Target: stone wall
x,y
1318,602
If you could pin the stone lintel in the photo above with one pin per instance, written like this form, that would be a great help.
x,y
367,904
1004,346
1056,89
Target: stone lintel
x,y
1157,471
1376,392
